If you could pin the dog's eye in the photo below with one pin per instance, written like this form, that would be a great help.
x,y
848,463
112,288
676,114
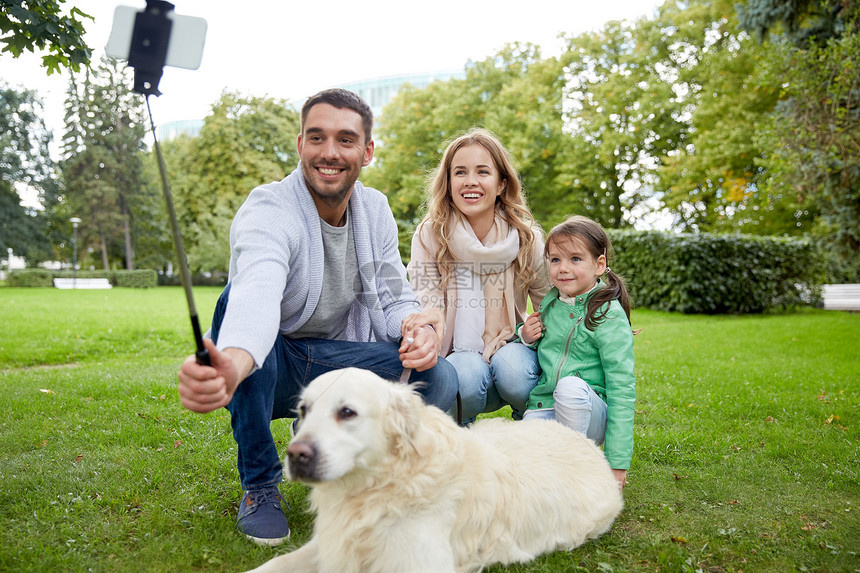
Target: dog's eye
x,y
302,410
346,413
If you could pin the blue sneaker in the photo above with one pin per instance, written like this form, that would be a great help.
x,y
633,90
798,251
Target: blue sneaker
x,y
261,518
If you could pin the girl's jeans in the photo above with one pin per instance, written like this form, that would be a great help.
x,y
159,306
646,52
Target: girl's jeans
x,y
576,406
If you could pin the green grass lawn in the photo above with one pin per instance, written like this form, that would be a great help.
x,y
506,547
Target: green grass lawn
x,y
747,450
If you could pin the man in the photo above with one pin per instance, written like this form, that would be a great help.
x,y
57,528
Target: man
x,y
316,283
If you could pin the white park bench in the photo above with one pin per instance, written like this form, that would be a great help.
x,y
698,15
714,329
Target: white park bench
x,y
82,283
841,297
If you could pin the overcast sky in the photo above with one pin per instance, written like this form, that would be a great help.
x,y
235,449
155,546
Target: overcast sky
x,y
291,50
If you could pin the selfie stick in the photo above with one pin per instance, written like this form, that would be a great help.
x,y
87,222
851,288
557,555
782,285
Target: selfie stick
x,y
147,56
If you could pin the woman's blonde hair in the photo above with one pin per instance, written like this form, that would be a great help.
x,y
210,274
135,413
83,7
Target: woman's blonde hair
x,y
510,205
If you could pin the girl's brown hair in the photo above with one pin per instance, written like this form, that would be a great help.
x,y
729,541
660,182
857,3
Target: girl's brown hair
x,y
592,236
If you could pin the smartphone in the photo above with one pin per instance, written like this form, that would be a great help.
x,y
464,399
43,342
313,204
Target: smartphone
x,y
184,48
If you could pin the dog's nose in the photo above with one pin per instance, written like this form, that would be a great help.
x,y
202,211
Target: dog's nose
x,y
302,458
301,452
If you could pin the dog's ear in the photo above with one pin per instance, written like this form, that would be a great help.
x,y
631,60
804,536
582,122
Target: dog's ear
x,y
403,419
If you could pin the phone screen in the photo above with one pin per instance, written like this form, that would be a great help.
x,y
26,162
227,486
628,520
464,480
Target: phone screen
x,y
184,49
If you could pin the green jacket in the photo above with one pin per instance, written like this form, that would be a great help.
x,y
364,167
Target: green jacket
x,y
602,357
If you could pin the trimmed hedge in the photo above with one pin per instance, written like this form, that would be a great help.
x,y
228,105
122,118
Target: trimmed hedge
x,y
217,278
31,278
142,278
717,274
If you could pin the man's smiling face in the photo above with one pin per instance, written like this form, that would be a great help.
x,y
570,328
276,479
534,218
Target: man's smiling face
x,y
333,150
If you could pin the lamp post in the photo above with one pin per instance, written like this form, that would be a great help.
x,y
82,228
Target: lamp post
x,y
74,221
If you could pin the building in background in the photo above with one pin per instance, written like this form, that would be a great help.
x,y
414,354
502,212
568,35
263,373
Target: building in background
x,y
377,92
174,129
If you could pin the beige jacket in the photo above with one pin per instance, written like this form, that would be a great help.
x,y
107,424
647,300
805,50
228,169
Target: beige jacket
x,y
426,280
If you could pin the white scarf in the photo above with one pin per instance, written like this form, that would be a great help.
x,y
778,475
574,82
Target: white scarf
x,y
484,284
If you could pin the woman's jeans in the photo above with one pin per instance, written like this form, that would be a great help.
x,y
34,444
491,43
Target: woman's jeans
x,y
508,379
576,406
273,390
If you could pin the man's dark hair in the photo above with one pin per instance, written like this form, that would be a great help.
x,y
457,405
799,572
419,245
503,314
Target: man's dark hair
x,y
341,98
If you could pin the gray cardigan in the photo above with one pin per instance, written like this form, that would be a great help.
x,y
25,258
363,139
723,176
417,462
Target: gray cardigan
x,y
276,262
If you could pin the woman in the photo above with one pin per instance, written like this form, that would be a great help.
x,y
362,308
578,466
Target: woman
x,y
477,256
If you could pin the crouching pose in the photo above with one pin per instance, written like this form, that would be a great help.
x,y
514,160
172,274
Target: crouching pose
x,y
316,283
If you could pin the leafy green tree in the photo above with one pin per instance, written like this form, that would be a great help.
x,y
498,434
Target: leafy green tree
x,y
153,237
625,115
711,178
801,20
24,162
411,135
418,124
815,136
22,229
756,160
528,116
814,130
102,164
27,25
571,157
684,108
244,142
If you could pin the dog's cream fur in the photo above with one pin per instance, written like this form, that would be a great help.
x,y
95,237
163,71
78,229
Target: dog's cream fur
x,y
399,488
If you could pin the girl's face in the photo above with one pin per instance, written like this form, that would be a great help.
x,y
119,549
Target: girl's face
x,y
572,268
475,184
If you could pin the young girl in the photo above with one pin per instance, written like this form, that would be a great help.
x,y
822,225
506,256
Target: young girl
x,y
585,343
477,256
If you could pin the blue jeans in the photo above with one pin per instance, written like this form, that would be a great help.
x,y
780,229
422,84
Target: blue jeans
x,y
507,380
273,390
576,406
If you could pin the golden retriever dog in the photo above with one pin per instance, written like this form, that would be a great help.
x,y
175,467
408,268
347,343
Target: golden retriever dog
x,y
398,487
